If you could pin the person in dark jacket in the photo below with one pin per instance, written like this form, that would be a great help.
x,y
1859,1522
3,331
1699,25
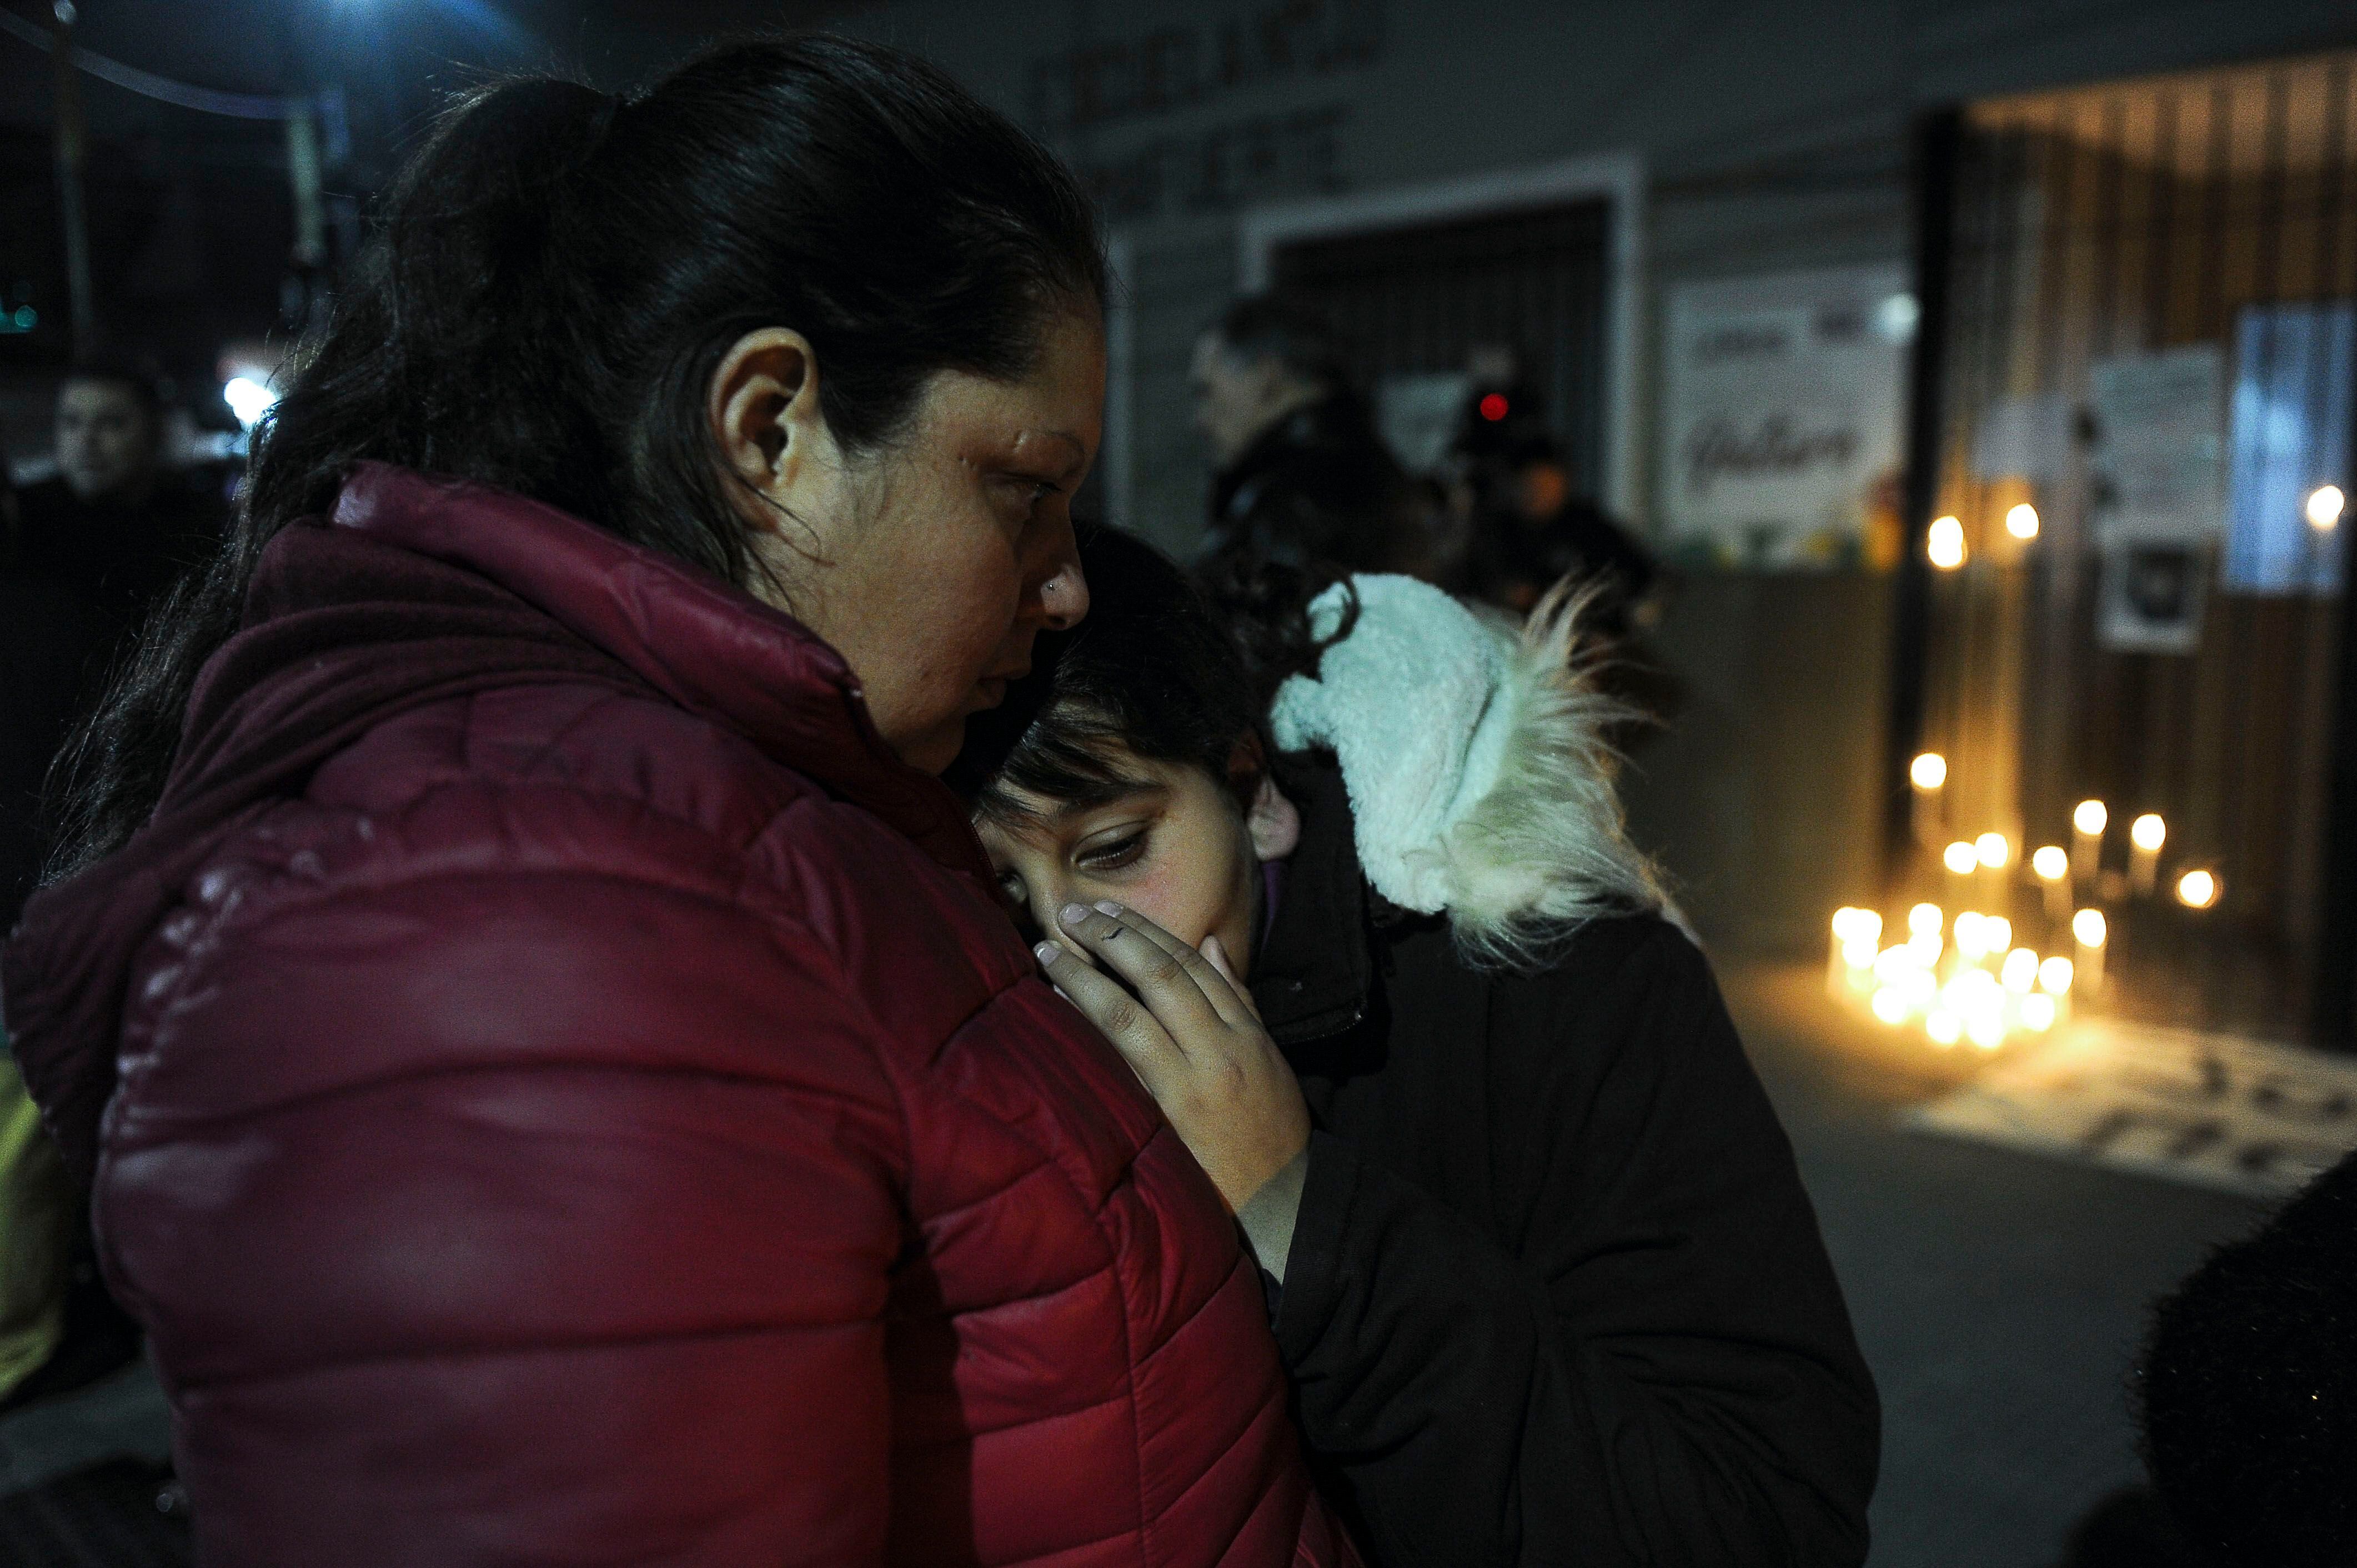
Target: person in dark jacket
x,y
1301,475
2247,1392
1542,1271
556,1083
115,526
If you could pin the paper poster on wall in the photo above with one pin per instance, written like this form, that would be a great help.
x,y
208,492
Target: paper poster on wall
x,y
1782,411
2157,457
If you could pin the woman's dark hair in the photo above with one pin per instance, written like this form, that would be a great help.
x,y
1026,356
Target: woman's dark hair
x,y
556,275
1157,669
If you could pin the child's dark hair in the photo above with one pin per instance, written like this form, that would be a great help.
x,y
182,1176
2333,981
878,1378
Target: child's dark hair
x,y
1160,668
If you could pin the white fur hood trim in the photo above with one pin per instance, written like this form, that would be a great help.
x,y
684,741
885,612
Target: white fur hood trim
x,y
1480,778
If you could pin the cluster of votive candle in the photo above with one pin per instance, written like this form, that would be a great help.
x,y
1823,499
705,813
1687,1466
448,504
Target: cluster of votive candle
x,y
1959,979
2058,870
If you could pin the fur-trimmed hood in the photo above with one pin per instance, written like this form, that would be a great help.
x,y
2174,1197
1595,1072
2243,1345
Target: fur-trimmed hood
x,y
1480,777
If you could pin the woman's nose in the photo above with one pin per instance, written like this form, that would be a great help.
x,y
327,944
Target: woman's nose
x,y
1065,595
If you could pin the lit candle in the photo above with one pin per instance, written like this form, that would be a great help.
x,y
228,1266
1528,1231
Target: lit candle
x,y
1850,966
2054,868
2146,836
2089,931
2087,842
1929,773
1994,852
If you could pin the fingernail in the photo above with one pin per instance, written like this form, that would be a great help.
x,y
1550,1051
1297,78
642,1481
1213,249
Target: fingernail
x,y
1046,952
1108,906
1073,914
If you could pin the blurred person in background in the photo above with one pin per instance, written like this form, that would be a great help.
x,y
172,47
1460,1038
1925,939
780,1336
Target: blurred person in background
x,y
1530,527
1301,477
2247,1390
116,524
1527,527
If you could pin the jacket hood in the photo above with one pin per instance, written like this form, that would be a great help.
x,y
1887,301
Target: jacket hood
x,y
418,590
1480,779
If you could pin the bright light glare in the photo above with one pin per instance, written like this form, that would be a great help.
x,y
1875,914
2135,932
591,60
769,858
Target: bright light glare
x,y
2050,863
1969,925
1945,1027
1996,933
1858,955
2197,889
1890,1005
1929,771
2090,816
1992,851
1960,857
2022,521
248,399
2325,504
1857,926
2020,972
2148,832
1925,918
2037,1013
1987,1030
2054,976
1946,545
2088,927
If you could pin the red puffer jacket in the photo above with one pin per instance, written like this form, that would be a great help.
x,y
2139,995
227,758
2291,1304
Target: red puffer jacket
x,y
580,1103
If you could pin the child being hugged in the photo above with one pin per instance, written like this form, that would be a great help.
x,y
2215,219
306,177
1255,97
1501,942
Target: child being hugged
x,y
1540,1263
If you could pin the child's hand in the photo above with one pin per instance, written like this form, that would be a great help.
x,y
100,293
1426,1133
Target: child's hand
x,y
1193,1039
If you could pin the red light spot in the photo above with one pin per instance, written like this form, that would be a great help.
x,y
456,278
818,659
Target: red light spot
x,y
1493,407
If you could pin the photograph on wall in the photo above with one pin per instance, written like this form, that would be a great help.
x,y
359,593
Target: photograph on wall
x,y
1781,418
2152,597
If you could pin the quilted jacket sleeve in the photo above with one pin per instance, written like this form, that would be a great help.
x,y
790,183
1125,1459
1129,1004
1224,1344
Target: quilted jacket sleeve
x,y
520,1213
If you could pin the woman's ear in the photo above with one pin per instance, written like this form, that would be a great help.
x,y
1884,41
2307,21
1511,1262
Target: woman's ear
x,y
769,428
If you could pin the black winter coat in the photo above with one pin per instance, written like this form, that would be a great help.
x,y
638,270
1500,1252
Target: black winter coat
x,y
1555,1294
1320,491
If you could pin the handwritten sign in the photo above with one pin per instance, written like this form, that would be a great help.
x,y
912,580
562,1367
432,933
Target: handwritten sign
x,y
2210,1109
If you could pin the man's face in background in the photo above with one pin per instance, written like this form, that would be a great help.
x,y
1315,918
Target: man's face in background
x,y
107,441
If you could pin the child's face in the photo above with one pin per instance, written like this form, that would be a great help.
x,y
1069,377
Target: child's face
x,y
1177,850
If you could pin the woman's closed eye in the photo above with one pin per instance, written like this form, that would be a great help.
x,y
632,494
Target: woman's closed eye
x,y
1027,493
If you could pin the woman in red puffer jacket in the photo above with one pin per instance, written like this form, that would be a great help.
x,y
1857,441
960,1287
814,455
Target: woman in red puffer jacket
x,y
556,1084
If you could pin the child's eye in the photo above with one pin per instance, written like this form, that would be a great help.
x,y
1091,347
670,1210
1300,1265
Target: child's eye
x,y
1112,856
